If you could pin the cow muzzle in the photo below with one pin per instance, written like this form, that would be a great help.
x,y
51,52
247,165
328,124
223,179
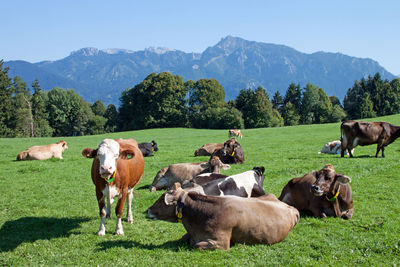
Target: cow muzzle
x,y
106,171
316,190
150,215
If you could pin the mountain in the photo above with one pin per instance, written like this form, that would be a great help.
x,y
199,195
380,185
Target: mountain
x,y
236,63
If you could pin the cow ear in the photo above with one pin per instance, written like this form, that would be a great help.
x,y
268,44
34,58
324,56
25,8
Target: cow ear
x,y
169,198
315,174
176,186
205,165
226,166
89,153
343,179
127,154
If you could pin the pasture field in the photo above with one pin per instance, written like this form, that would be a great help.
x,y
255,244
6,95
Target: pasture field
x,y
49,215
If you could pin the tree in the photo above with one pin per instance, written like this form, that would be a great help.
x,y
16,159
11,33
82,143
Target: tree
x,y
316,106
293,95
367,107
63,107
158,101
98,108
6,107
111,116
22,118
204,94
40,117
218,118
290,115
277,101
257,110
352,100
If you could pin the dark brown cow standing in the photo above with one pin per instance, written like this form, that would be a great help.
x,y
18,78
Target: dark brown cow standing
x,y
217,222
323,193
364,133
117,167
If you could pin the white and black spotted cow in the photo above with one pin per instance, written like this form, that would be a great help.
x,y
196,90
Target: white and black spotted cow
x,y
246,184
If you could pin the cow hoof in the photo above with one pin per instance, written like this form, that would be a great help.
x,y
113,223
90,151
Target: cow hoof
x,y
120,233
130,220
153,189
101,233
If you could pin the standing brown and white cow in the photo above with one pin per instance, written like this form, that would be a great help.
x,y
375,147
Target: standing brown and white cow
x,y
117,167
235,133
323,193
363,133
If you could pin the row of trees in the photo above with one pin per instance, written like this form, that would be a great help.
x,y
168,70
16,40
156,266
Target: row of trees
x,y
372,97
166,100
57,112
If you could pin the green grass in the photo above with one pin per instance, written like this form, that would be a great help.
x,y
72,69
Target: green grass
x,y
49,214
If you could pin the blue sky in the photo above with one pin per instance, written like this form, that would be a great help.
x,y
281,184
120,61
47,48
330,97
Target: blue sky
x,y
50,30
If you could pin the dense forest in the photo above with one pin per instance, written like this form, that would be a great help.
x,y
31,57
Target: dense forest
x,y
166,100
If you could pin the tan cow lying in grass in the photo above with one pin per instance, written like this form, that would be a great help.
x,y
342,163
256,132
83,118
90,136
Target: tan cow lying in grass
x,y
43,152
215,222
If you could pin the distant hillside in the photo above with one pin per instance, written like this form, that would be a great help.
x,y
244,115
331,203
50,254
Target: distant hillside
x,y
236,63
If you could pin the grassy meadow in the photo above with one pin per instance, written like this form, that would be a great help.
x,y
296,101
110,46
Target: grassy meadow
x,y
49,215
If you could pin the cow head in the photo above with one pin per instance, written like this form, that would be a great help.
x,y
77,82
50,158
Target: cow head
x,y
328,181
63,145
108,152
215,165
165,206
230,146
154,145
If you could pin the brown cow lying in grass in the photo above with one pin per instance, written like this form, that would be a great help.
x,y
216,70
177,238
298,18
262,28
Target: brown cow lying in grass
x,y
217,222
323,193
208,149
43,152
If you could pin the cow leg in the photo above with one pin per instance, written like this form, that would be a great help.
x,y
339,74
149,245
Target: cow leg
x,y
109,202
129,217
377,151
383,151
342,151
103,212
349,152
118,211
348,214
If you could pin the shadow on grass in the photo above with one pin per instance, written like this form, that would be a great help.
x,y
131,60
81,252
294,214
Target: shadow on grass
x,y
30,229
176,245
143,187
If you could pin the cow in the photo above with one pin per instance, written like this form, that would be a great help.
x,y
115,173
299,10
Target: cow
x,y
235,133
117,167
208,149
232,152
364,133
323,193
148,148
334,147
214,222
44,152
246,184
180,172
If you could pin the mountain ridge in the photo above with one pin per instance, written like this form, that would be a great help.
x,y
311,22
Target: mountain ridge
x,y
235,62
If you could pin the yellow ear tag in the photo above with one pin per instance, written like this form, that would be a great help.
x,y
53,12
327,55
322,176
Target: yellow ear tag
x,y
233,153
179,215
